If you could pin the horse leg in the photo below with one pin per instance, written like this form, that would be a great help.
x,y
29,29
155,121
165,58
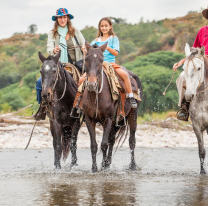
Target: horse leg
x,y
202,151
93,144
104,144
111,142
56,133
132,118
66,141
73,146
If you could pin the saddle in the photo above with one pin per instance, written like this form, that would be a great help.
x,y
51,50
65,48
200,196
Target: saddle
x,y
123,95
132,80
118,90
73,71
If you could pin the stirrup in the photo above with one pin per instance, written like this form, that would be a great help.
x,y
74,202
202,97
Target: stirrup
x,y
117,121
184,112
40,114
76,113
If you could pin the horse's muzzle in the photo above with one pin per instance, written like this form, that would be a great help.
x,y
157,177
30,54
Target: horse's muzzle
x,y
46,97
189,97
91,86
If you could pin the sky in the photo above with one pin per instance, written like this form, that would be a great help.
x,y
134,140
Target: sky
x,y
17,15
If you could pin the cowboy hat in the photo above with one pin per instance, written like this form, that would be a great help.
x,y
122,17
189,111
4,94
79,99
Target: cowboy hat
x,y
205,13
62,12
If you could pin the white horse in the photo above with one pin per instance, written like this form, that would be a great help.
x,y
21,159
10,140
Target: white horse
x,y
196,77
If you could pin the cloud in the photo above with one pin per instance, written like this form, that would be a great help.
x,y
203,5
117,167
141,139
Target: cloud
x,y
16,16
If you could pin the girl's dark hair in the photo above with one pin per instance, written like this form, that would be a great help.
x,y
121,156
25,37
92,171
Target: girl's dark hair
x,y
71,29
111,32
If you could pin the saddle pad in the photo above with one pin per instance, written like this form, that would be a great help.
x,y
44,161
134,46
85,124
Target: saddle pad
x,y
113,83
72,70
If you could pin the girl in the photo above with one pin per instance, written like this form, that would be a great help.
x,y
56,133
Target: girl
x,y
64,34
106,34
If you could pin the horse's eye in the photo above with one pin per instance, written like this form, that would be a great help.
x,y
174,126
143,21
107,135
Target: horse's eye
x,y
199,68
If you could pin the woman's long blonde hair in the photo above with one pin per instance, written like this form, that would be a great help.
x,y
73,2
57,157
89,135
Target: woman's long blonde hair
x,y
71,29
111,32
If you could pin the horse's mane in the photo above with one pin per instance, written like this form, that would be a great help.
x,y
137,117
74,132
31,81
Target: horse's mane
x,y
70,81
206,67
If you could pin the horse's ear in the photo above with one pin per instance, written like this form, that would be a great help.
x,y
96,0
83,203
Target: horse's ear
x,y
201,52
187,50
41,57
87,45
103,47
57,57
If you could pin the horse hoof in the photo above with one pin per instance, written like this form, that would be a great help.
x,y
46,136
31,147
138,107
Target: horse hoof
x,y
73,165
203,172
94,169
133,167
57,167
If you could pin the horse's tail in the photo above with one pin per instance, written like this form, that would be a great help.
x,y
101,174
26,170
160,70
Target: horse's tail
x,y
139,84
66,141
122,133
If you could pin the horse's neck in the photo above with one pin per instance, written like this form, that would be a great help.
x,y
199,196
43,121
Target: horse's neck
x,y
203,89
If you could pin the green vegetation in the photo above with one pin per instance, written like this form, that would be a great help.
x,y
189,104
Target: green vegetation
x,y
155,72
19,70
143,50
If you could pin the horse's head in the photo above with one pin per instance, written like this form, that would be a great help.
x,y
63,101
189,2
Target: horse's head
x,y
93,65
49,72
194,70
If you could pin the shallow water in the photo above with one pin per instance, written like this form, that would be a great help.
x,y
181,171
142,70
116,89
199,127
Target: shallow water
x,y
164,177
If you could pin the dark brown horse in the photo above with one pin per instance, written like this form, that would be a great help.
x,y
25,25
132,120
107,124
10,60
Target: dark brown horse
x,y
98,106
58,94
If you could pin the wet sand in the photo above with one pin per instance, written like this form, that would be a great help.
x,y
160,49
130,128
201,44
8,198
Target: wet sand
x,y
165,176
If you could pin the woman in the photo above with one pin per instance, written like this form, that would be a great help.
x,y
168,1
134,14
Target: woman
x,y
107,35
63,36
201,40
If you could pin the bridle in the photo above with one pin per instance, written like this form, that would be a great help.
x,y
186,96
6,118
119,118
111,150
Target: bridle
x,y
200,83
101,87
201,58
54,86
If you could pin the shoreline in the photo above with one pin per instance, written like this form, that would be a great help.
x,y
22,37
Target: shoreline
x,y
147,135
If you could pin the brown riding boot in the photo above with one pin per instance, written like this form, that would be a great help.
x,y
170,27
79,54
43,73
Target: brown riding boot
x,y
76,110
40,114
183,112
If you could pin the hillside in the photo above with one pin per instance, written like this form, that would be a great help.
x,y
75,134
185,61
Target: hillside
x,y
149,49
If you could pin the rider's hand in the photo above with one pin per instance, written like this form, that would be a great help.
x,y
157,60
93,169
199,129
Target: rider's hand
x,y
176,65
84,49
56,49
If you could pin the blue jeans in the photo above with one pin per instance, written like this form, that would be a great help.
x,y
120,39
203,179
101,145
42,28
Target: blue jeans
x,y
39,90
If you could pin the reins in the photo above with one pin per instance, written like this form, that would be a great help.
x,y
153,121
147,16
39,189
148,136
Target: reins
x,y
54,86
98,92
72,48
57,77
